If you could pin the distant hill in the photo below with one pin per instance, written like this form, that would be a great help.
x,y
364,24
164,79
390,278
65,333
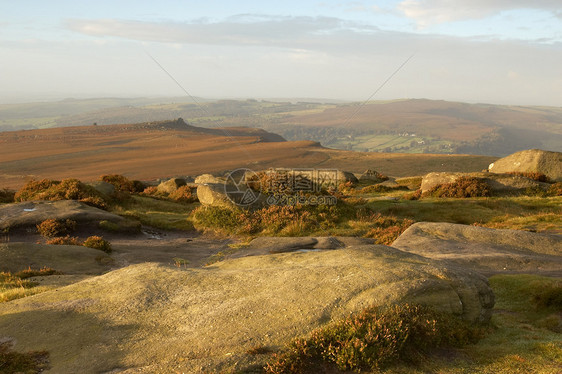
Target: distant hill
x,y
404,126
153,150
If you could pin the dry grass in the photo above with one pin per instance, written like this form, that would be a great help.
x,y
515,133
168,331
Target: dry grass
x,y
15,285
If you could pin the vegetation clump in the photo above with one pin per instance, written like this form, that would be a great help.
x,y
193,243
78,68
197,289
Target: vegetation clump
x,y
51,228
289,220
64,240
67,189
555,189
7,196
387,228
123,184
463,187
183,194
373,339
98,242
536,176
380,188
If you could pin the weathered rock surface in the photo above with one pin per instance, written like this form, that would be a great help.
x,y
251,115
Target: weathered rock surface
x,y
154,318
497,182
171,185
213,194
68,259
483,249
31,213
371,176
532,160
103,187
209,178
227,195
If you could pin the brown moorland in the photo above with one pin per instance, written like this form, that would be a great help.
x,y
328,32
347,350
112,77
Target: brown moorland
x,y
149,151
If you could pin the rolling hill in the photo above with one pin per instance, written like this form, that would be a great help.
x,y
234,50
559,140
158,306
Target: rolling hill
x,y
149,151
403,126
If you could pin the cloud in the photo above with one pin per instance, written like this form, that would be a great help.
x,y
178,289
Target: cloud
x,y
246,29
429,12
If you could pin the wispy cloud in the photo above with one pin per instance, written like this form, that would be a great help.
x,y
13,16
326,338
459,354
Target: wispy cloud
x,y
246,29
429,12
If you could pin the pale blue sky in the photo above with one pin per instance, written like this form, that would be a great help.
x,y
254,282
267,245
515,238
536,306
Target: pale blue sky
x,y
503,51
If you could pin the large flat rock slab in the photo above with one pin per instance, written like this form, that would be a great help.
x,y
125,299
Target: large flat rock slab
x,y
531,160
30,213
482,249
68,259
150,318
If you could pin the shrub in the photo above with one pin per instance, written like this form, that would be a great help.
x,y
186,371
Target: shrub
x,y
183,195
373,339
555,189
539,177
274,219
32,188
98,242
548,296
461,188
150,191
416,195
64,240
217,217
67,189
387,228
138,186
535,191
52,227
6,196
123,184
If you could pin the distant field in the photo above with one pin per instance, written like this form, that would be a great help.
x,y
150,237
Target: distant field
x,y
151,151
439,126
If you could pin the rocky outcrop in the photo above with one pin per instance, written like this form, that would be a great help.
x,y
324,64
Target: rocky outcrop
x,y
29,214
171,185
483,249
496,182
208,178
155,318
104,188
372,176
532,160
68,259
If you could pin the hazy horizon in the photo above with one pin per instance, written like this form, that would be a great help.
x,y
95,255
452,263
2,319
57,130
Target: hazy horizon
x,y
501,52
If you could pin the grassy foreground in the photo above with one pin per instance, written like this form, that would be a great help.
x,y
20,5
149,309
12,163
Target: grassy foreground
x,y
522,337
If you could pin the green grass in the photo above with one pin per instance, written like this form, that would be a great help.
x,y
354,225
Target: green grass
x,y
530,213
364,215
162,214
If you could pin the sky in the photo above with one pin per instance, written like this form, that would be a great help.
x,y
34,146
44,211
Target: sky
x,y
487,51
